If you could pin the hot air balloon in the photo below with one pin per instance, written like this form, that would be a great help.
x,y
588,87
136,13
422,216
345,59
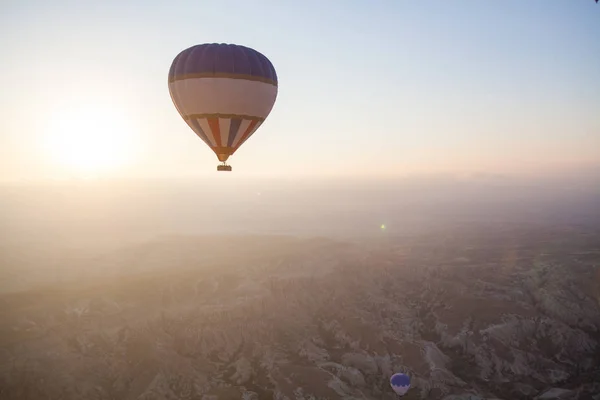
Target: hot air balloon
x,y
224,92
400,383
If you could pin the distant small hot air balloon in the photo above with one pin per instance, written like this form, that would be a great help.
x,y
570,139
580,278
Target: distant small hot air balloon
x,y
400,383
224,92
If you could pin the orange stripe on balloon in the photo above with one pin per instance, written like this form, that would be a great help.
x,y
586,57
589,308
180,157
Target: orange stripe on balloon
x,y
216,131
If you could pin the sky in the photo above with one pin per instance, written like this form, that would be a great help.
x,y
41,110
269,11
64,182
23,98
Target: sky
x,y
386,88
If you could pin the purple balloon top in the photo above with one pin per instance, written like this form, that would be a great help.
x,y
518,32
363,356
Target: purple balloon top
x,y
400,380
219,59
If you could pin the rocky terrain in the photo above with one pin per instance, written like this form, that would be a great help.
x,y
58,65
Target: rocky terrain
x,y
500,313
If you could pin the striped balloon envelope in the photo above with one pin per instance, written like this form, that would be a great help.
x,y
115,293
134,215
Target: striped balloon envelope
x,y
224,92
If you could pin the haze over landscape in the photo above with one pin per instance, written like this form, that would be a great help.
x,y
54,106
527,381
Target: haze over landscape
x,y
424,198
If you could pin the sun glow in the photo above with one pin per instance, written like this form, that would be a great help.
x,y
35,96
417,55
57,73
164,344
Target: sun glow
x,y
90,140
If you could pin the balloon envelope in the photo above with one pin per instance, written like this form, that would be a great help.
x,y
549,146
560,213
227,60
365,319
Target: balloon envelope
x,y
224,92
400,383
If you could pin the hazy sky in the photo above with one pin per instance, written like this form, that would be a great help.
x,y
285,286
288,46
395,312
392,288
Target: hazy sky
x,y
366,87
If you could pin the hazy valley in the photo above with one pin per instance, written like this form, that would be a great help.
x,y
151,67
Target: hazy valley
x,y
299,293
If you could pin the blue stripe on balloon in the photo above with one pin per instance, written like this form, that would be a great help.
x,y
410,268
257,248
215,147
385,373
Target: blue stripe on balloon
x,y
199,131
221,58
234,127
